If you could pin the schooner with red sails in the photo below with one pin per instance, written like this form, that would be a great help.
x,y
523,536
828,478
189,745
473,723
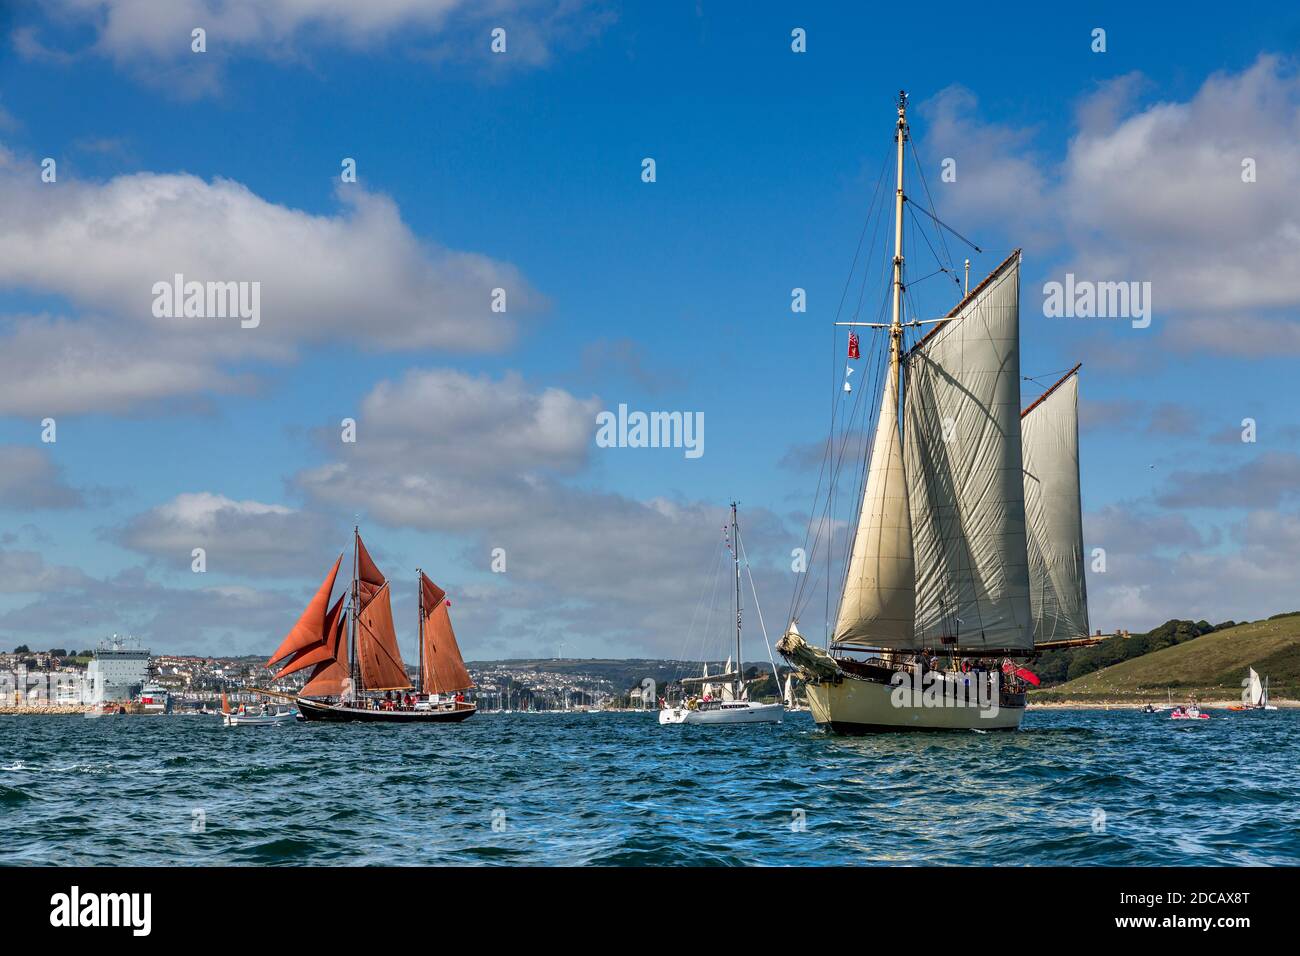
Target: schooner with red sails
x,y
357,669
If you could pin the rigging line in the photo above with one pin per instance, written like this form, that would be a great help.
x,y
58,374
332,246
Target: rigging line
x,y
870,386
686,644
877,211
868,431
946,226
853,267
925,186
826,514
1042,375
776,675
834,364
938,261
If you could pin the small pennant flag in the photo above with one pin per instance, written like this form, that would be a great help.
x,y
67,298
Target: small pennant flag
x,y
853,346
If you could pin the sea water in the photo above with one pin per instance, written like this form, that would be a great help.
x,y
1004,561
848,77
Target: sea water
x,y
1071,787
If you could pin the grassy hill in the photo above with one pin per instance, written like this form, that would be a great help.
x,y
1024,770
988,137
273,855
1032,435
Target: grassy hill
x,y
1210,666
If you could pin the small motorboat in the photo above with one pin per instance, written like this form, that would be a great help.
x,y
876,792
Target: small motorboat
x,y
263,716
1190,712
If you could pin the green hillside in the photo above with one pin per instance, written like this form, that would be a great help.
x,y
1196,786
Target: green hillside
x,y
1057,667
1210,666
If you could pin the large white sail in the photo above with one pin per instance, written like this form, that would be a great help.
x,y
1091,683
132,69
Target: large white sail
x,y
963,466
877,606
1049,436
1256,689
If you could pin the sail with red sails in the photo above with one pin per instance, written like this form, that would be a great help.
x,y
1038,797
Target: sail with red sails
x,y
352,648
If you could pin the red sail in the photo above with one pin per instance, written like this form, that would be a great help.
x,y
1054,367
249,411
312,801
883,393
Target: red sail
x,y
378,658
431,595
311,626
317,653
369,578
329,677
443,666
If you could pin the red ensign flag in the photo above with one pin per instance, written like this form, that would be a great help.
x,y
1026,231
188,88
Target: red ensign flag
x,y
853,345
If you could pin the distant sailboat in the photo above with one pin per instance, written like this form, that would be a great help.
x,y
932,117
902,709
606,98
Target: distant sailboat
x,y
968,549
1255,693
354,654
791,701
732,705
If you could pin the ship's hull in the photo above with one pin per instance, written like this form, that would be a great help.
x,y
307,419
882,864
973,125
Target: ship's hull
x,y
338,713
751,713
857,706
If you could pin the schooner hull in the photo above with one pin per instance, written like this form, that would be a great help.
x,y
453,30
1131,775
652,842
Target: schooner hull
x,y
337,713
855,706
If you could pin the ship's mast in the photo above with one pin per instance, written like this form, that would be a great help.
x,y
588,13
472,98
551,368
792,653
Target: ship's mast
x,y
352,655
419,646
735,560
896,322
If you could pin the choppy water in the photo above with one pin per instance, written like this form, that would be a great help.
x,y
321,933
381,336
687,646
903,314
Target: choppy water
x,y
618,789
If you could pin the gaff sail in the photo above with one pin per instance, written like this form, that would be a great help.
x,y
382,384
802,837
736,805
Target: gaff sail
x,y
1058,594
331,677
378,657
317,653
311,627
963,466
443,669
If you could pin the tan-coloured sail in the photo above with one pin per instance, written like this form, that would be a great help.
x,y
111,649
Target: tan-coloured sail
x,y
311,626
378,658
878,605
317,653
1058,594
330,677
444,668
963,464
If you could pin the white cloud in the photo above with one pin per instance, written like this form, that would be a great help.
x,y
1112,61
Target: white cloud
x,y
1161,566
1153,193
489,460
239,537
359,276
154,39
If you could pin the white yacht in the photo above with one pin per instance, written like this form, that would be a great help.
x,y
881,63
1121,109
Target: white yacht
x,y
731,705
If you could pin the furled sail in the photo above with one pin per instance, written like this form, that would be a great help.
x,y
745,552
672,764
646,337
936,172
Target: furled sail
x,y
1049,435
331,677
317,653
878,605
963,467
311,626
443,668
378,658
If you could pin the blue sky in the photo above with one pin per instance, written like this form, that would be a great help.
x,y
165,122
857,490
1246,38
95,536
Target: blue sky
x,y
523,170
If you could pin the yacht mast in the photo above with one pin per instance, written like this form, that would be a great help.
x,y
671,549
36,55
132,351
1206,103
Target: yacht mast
x,y
735,560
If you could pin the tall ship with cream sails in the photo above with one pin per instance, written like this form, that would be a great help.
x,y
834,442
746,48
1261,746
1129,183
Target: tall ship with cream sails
x,y
966,558
357,671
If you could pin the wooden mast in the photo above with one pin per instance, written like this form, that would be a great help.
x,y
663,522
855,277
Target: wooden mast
x,y
353,665
419,645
